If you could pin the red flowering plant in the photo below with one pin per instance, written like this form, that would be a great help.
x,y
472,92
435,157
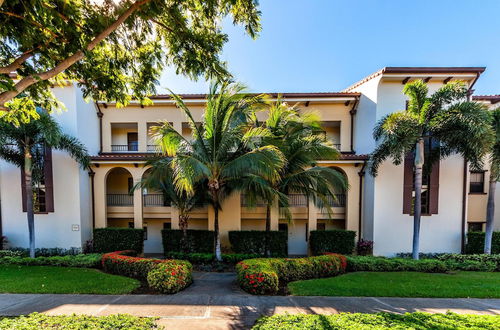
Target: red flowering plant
x,y
265,276
170,277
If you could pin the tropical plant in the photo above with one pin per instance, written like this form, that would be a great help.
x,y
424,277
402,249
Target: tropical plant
x,y
23,146
446,117
295,135
220,152
115,49
160,178
494,178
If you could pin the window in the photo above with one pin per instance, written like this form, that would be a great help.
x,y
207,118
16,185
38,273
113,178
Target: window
x,y
476,184
475,226
43,192
132,141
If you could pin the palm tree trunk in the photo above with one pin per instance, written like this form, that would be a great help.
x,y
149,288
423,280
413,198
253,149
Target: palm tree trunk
x,y
490,212
268,230
183,222
29,199
218,254
417,209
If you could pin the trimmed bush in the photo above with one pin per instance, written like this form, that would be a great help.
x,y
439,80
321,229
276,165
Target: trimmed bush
x,y
267,275
170,277
207,258
177,272
47,252
118,239
80,260
335,241
475,242
199,241
253,242
11,253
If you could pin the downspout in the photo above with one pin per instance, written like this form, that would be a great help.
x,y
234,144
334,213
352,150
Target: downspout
x,y
352,112
99,115
92,175
361,174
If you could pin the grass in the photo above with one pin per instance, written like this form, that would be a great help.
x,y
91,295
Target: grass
x,y
378,321
74,322
51,279
403,284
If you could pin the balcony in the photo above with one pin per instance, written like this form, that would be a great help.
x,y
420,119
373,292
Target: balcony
x,y
124,147
153,148
338,201
120,200
297,200
124,137
155,200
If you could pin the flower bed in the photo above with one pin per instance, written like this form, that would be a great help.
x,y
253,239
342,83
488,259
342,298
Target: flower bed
x,y
267,276
165,276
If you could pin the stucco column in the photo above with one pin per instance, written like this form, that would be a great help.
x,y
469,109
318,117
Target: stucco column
x,y
312,216
174,218
138,209
177,126
100,197
142,136
275,216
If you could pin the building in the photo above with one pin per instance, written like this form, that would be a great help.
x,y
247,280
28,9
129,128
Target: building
x,y
376,208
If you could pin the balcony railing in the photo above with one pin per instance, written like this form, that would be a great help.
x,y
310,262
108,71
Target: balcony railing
x,y
155,200
297,200
124,147
338,201
153,148
120,200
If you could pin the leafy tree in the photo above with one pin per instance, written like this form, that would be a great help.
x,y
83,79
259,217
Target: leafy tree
x,y
115,49
160,177
458,125
21,146
295,135
494,178
220,152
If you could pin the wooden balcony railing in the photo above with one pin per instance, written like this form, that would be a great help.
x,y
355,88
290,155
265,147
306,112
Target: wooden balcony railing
x,y
120,200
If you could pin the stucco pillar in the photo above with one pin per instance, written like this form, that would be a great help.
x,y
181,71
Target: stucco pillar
x,y
138,209
174,218
312,216
100,197
229,217
177,126
142,136
275,216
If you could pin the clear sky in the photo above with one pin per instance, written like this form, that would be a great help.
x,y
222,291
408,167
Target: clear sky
x,y
326,45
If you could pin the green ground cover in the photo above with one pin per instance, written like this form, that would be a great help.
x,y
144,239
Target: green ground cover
x,y
403,284
51,279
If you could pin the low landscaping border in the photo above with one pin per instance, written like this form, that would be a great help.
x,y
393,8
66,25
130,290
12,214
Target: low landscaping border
x,y
80,260
165,276
267,276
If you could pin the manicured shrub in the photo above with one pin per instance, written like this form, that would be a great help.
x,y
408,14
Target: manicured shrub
x,y
477,262
170,276
80,260
48,252
364,247
198,241
118,239
253,242
336,241
265,276
475,242
11,253
206,258
126,264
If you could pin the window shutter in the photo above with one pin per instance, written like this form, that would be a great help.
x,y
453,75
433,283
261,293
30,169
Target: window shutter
x,y
23,189
408,182
48,180
434,188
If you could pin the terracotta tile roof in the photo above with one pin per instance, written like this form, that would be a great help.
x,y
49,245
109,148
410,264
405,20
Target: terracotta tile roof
x,y
274,95
492,98
414,70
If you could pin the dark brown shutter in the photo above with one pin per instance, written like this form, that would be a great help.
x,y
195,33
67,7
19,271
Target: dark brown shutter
x,y
434,188
408,182
23,189
48,180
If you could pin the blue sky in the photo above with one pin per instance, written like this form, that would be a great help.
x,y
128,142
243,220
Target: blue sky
x,y
325,45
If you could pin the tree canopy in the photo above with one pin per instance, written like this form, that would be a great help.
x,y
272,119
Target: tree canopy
x,y
114,49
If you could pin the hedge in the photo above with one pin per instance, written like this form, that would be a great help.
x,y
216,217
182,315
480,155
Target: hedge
x,y
199,241
475,242
80,260
267,275
381,320
335,241
46,252
118,239
253,242
207,258
165,276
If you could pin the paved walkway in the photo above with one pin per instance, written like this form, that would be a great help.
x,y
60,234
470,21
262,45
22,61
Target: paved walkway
x,y
215,302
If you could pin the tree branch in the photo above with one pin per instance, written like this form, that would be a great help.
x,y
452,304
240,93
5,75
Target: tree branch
x,y
43,28
69,61
16,64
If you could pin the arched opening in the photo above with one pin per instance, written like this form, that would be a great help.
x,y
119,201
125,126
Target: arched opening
x,y
338,206
119,198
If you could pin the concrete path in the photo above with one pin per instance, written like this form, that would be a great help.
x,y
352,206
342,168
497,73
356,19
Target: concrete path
x,y
215,302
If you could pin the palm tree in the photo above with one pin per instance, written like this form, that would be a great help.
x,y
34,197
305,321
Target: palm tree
x,y
160,178
21,145
221,151
458,125
494,178
295,135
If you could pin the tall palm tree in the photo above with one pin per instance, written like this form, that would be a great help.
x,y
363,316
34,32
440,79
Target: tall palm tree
x,y
220,152
458,125
295,135
160,178
20,145
494,178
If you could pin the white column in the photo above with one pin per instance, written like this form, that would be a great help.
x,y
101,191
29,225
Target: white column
x,y
138,210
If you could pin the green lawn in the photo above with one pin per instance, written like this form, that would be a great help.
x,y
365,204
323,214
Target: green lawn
x,y
50,279
403,284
